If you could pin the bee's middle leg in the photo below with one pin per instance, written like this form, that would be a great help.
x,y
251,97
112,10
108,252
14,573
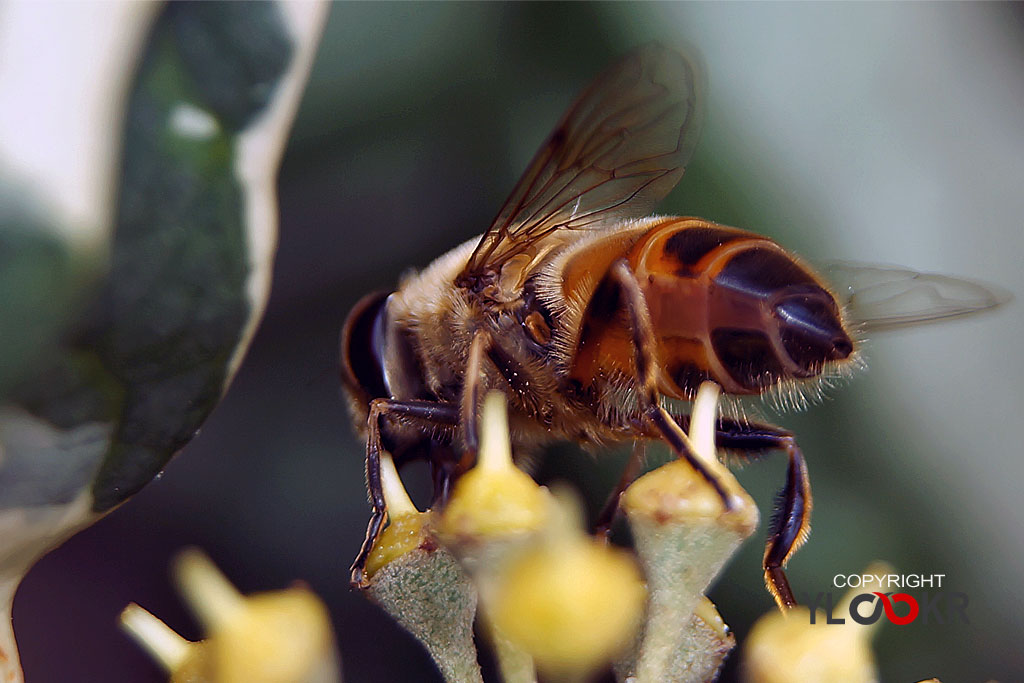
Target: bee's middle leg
x,y
646,375
631,470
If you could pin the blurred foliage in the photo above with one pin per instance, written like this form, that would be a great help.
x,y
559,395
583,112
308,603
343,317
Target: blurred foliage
x,y
175,305
147,345
39,286
118,341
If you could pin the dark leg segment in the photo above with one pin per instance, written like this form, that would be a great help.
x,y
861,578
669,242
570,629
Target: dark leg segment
x,y
645,343
428,412
790,526
442,475
603,525
791,523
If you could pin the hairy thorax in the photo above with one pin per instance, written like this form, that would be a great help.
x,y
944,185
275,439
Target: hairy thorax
x,y
527,359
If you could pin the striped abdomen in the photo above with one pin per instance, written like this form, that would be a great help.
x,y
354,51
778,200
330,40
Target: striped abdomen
x,y
725,304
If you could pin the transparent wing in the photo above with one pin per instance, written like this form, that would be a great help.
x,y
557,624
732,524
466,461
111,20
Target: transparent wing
x,y
887,297
620,149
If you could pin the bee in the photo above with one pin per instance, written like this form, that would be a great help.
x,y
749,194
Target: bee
x,y
591,318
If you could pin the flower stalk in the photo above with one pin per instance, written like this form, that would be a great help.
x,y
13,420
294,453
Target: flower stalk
x,y
422,586
683,535
496,512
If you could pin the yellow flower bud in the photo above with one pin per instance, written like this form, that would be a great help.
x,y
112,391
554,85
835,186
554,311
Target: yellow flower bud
x,y
278,637
495,498
198,667
570,602
406,529
677,494
788,647
184,660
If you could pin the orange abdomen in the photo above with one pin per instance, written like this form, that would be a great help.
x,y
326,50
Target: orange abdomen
x,y
725,304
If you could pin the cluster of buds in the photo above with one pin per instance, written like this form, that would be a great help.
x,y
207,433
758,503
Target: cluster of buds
x,y
275,637
512,556
552,598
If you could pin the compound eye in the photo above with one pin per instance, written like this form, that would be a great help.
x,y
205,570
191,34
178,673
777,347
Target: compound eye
x,y
362,346
812,331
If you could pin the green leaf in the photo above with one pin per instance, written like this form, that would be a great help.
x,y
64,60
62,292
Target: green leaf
x,y
141,351
176,304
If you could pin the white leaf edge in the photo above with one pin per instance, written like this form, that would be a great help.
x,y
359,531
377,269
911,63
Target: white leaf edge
x,y
257,159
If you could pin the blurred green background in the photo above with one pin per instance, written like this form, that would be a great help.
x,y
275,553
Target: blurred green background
x,y
885,133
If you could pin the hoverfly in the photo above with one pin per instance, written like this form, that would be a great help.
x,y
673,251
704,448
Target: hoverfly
x,y
587,315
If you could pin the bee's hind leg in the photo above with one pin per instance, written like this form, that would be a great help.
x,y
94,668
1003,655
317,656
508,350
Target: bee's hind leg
x,y
791,522
428,412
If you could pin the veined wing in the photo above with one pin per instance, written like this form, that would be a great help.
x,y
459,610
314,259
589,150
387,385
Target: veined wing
x,y
887,297
620,148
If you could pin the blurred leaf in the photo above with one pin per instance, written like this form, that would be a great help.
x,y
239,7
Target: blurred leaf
x,y
119,374
176,303
37,291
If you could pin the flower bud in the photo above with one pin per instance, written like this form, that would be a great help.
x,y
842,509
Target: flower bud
x,y
420,584
570,602
406,529
495,511
788,647
277,637
495,508
495,498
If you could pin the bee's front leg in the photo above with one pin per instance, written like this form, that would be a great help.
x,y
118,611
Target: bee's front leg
x,y
431,414
469,403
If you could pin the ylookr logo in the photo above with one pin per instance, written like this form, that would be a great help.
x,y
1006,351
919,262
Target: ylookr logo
x,y
866,608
